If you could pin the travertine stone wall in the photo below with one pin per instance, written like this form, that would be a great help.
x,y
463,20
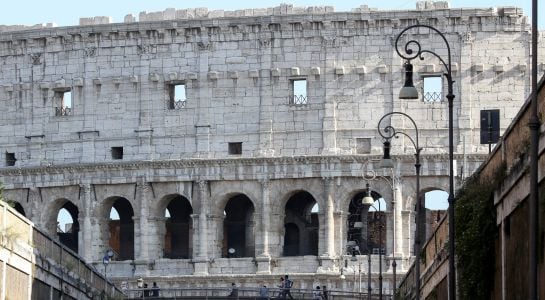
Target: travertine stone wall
x,y
237,68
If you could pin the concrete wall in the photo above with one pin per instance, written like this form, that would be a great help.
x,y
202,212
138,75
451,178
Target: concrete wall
x,y
34,266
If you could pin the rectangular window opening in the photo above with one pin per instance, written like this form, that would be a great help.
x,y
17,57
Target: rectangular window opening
x,y
10,159
235,148
177,96
363,145
117,152
298,92
67,99
63,100
433,88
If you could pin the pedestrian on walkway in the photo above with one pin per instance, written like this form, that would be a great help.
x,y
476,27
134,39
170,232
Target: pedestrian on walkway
x,y
281,294
264,293
317,294
288,284
325,293
234,291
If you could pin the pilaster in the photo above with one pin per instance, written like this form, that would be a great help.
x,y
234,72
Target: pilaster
x,y
142,198
85,235
264,258
201,260
327,263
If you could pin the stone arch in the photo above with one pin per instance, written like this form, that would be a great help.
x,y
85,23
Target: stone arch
x,y
69,236
350,188
239,227
17,206
287,196
119,232
440,195
50,215
178,227
301,225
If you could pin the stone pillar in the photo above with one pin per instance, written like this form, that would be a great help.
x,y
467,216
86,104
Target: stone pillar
x,y
85,235
398,221
142,191
264,258
159,229
327,263
201,257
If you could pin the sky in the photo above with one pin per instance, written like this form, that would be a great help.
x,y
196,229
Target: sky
x,y
68,12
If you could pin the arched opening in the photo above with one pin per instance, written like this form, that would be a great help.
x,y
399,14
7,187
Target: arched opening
x,y
301,225
291,239
436,200
17,206
178,228
376,222
238,228
436,205
357,226
366,228
121,228
68,225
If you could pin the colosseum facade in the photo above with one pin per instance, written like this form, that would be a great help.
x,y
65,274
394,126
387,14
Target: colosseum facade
x,y
237,145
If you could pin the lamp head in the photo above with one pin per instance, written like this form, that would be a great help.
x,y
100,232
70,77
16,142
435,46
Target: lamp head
x,y
408,91
386,162
368,199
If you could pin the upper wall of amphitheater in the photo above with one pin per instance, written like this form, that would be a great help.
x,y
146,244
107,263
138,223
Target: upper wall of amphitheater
x,y
239,69
284,16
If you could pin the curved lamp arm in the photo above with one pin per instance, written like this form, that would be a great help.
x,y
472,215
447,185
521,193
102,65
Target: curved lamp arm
x,y
413,49
389,132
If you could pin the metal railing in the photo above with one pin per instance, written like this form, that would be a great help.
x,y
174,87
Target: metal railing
x,y
298,100
433,97
243,293
179,104
63,111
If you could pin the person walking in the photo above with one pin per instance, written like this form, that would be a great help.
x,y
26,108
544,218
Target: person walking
x,y
325,293
234,291
264,293
288,284
317,294
155,290
281,294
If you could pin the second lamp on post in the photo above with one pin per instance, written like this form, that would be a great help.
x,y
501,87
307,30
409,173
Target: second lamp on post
x,y
387,133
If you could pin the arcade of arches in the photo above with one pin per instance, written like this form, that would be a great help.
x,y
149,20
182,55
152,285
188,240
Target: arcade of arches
x,y
312,219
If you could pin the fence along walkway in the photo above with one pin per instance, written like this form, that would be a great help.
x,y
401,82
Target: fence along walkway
x,y
243,294
37,265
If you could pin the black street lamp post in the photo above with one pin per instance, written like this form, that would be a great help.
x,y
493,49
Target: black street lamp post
x,y
387,133
368,200
410,51
379,252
